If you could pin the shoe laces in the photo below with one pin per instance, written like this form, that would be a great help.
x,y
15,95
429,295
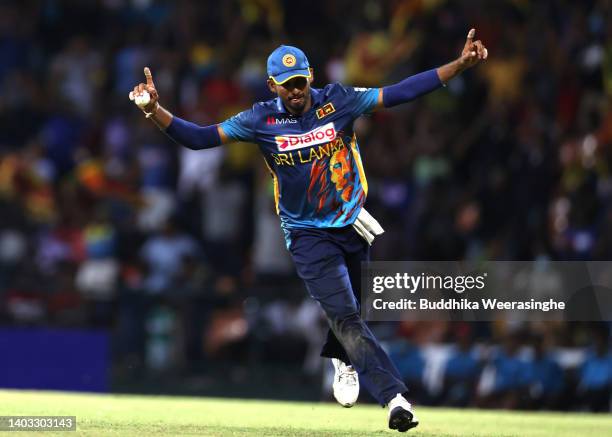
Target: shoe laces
x,y
348,375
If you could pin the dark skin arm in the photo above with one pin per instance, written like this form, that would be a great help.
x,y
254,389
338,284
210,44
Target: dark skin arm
x,y
473,53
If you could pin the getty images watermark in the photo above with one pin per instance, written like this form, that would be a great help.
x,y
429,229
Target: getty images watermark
x,y
485,291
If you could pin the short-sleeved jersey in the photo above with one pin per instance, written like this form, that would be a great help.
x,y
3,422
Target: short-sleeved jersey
x,y
319,181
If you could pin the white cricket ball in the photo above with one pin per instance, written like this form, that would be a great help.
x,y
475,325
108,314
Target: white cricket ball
x,y
143,100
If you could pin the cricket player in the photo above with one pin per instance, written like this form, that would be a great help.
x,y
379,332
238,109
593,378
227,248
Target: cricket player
x,y
306,137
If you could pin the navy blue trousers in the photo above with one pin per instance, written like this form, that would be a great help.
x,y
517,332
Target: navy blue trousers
x,y
329,262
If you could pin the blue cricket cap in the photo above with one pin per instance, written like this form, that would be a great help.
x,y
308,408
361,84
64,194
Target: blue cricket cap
x,y
287,62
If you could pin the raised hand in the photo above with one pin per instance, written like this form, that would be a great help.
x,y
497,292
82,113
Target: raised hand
x,y
145,94
473,51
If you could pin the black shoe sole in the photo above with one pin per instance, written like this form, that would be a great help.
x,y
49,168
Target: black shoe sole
x,y
401,420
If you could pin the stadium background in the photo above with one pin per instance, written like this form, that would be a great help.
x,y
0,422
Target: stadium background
x,y
167,268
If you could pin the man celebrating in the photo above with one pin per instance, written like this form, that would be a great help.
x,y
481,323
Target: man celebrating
x,y
307,141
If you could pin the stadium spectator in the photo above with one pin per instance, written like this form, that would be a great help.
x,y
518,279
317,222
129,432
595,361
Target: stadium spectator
x,y
164,255
595,378
504,380
546,378
461,372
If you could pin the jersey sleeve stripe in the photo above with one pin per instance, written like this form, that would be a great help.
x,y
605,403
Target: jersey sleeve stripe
x,y
276,187
357,157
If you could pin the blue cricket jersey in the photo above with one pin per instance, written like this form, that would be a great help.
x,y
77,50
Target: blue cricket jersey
x,y
319,181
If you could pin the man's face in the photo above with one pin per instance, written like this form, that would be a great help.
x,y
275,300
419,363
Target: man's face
x,y
295,94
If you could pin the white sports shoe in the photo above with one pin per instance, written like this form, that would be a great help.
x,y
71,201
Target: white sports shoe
x,y
401,416
346,383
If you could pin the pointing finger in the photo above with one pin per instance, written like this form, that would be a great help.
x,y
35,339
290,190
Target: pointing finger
x,y
148,76
470,35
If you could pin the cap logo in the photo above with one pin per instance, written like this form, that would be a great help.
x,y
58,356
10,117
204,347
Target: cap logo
x,y
289,60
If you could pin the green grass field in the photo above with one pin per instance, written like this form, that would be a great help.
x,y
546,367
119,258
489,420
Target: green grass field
x,y
114,415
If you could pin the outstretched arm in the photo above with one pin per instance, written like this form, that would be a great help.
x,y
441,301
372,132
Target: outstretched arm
x,y
415,86
183,132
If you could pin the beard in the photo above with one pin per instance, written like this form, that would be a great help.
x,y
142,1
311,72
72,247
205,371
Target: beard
x,y
297,106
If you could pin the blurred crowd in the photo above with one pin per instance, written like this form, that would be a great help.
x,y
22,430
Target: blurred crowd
x,y
106,223
525,368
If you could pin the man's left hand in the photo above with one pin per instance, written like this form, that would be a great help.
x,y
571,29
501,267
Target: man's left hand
x,y
473,51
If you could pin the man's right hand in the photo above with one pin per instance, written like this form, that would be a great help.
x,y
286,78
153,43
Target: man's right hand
x,y
149,87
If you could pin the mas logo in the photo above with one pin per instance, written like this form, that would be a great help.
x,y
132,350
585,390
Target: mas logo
x,y
325,110
273,120
320,135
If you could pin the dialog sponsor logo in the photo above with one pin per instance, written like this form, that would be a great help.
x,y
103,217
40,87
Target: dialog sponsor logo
x,y
323,134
